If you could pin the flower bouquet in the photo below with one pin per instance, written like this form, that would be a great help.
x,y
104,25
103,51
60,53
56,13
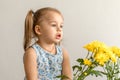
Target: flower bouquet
x,y
99,55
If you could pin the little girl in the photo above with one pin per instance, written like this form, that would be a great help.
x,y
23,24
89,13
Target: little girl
x,y
45,59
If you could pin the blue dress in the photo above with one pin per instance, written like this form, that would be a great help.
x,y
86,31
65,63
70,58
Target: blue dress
x,y
49,66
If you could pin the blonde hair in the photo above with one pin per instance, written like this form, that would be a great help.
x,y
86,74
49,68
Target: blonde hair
x,y
32,19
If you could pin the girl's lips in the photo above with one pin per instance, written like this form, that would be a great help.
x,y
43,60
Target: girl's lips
x,y
58,36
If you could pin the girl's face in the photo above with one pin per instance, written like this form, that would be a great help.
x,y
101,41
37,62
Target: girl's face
x,y
52,28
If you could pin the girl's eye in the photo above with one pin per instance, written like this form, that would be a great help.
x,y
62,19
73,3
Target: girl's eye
x,y
61,26
54,25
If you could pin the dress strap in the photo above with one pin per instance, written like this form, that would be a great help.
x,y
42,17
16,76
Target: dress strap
x,y
36,48
59,50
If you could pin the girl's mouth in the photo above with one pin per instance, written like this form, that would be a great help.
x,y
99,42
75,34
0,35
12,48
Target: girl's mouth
x,y
58,36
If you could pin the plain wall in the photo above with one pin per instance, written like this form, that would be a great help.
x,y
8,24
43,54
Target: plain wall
x,y
85,20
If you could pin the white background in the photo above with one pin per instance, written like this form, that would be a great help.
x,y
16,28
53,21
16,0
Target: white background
x,y
85,21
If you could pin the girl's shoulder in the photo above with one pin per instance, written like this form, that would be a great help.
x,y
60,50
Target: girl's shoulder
x,y
29,53
65,53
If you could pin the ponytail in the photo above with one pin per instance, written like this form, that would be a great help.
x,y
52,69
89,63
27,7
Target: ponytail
x,y
28,29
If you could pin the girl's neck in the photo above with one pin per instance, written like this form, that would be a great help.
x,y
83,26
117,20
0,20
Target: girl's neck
x,y
48,47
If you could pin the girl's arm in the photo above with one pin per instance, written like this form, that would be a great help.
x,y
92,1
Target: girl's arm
x,y
30,64
66,65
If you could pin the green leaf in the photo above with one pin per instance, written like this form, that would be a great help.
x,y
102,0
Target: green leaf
x,y
80,60
62,77
78,67
104,73
96,73
117,72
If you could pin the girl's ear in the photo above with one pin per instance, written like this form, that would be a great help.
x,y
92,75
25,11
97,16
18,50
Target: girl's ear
x,y
37,30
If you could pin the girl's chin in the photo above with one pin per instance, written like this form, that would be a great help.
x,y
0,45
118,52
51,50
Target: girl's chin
x,y
58,41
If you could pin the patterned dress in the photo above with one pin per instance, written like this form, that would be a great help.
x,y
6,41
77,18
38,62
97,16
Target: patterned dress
x,y
49,66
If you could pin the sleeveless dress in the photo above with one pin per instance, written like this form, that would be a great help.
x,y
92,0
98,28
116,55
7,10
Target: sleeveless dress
x,y
49,66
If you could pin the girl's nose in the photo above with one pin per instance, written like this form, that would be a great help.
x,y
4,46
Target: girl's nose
x,y
59,29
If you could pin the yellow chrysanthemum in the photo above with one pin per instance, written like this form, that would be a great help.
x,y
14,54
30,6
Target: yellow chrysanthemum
x,y
85,73
87,62
95,46
112,56
115,50
101,58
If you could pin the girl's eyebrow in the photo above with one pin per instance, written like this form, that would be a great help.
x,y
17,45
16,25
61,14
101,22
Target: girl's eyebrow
x,y
54,21
51,20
